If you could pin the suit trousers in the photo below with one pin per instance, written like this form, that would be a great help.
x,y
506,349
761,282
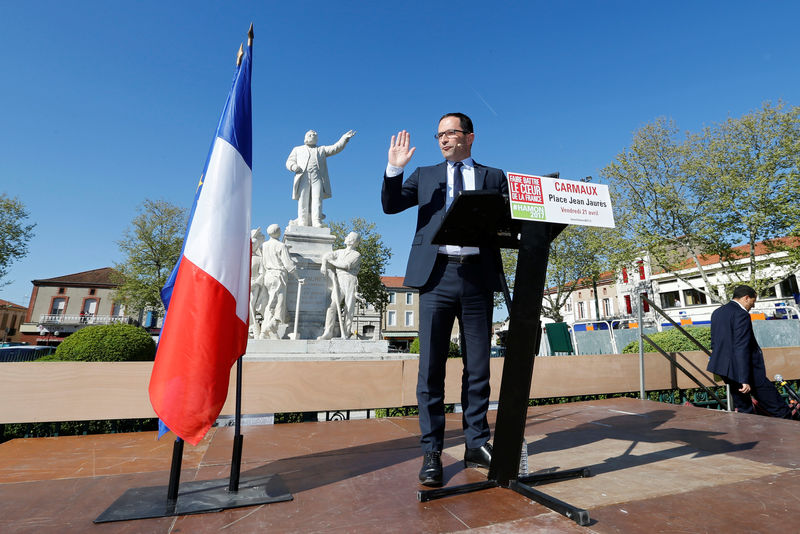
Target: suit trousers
x,y
454,291
764,391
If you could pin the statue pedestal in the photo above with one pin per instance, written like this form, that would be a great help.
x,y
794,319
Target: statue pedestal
x,y
307,245
329,349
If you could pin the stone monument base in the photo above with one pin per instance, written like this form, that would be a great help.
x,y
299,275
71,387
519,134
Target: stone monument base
x,y
329,349
306,246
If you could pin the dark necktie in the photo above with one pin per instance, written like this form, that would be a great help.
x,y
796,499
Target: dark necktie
x,y
458,180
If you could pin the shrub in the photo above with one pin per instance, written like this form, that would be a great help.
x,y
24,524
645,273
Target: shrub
x,y
454,351
673,340
106,343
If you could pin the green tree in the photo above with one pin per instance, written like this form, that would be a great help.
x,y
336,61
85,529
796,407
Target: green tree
x,y
151,247
374,257
751,170
14,233
687,198
656,188
578,256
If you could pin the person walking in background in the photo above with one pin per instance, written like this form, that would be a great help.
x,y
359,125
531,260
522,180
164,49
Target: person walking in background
x,y
737,358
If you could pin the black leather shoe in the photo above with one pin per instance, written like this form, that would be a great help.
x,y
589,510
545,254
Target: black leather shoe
x,y
478,457
431,472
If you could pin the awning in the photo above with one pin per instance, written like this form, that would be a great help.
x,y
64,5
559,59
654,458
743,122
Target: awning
x,y
400,335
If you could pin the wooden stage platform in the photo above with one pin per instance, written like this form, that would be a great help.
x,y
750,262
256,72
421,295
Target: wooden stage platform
x,y
656,467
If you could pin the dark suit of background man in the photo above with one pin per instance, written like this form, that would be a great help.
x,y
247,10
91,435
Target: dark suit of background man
x,y
737,358
454,283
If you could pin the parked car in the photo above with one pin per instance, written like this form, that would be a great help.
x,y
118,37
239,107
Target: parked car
x,y
24,353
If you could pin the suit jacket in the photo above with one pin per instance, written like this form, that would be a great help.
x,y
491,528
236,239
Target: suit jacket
x,y
300,156
426,188
734,349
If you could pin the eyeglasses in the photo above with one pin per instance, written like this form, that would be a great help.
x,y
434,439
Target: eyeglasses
x,y
448,133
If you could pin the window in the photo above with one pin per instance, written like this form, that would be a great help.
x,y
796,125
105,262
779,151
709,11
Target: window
x,y
391,297
607,307
92,291
693,297
391,318
61,290
409,318
628,305
89,307
581,310
645,305
409,298
789,287
568,307
57,306
670,299
116,309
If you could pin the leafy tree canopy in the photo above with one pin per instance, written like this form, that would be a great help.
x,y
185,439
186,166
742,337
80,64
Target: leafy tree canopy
x,y
14,233
151,246
700,195
578,257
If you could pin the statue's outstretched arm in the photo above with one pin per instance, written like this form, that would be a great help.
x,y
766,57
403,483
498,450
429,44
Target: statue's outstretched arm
x,y
331,150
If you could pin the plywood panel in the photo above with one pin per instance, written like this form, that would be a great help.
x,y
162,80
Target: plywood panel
x,y
295,386
66,391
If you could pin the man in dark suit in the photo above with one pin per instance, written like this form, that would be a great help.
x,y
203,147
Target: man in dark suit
x,y
737,358
454,282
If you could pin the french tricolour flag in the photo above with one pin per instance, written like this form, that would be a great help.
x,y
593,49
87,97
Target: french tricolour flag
x,y
207,294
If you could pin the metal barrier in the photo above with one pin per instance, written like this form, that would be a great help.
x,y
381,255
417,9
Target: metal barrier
x,y
575,343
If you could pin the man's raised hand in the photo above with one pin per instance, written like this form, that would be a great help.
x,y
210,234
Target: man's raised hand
x,y
399,151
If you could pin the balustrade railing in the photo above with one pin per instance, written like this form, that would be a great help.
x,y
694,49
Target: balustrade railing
x,y
60,319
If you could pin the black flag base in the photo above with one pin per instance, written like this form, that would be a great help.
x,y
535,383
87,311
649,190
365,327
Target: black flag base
x,y
200,497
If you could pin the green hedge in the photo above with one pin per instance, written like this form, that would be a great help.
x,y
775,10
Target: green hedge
x,y
106,343
673,340
454,352
75,428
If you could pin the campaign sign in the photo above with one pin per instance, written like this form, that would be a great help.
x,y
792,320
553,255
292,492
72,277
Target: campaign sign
x,y
539,198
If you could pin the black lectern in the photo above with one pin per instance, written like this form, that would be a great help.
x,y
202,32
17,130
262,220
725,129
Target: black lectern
x,y
482,218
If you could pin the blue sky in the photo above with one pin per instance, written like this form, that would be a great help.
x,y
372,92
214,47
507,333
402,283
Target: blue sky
x,y
109,103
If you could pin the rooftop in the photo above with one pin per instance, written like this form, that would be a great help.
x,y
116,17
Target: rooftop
x,y
394,282
4,303
96,277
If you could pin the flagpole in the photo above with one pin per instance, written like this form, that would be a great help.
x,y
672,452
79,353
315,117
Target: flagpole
x,y
236,459
175,472
201,496
238,439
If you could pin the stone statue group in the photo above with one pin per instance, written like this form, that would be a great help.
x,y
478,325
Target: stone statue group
x,y
272,262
